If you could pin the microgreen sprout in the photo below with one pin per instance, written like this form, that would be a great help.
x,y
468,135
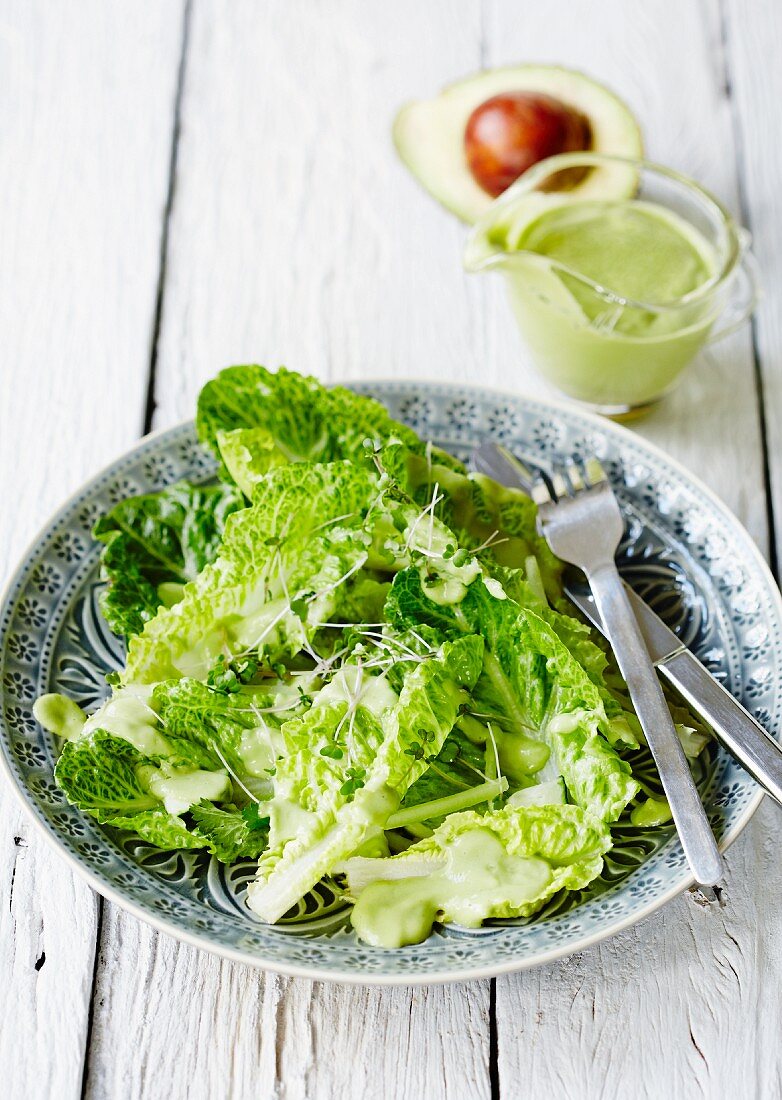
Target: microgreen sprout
x,y
232,773
490,542
345,576
356,778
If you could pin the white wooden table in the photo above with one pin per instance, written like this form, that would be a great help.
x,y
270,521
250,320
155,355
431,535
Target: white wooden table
x,y
187,185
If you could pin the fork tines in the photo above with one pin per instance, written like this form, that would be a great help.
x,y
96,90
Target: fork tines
x,y
568,479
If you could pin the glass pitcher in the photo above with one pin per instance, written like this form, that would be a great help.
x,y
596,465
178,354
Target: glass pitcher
x,y
614,351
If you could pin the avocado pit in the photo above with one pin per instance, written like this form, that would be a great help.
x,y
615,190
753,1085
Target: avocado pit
x,y
508,133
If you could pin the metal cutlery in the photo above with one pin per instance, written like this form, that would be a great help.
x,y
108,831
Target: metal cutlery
x,y
733,726
580,518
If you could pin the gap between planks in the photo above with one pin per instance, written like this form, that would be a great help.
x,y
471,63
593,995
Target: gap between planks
x,y
149,409
149,405
747,220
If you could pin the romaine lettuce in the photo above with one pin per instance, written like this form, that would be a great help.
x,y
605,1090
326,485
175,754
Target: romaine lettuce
x,y
531,686
507,863
295,416
348,766
374,647
154,544
281,568
107,777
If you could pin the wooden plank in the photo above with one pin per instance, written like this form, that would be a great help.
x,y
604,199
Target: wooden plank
x,y
210,1028
753,37
297,237
648,1013
685,1004
87,92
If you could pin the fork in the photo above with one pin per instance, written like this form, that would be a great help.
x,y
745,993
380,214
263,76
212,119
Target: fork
x,y
579,517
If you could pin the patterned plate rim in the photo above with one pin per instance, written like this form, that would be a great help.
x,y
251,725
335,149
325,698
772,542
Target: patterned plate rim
x,y
611,928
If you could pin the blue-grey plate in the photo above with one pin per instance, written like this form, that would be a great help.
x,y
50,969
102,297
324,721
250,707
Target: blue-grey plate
x,y
683,550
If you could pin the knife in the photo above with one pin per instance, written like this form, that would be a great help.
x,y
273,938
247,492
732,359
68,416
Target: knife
x,y
740,733
733,725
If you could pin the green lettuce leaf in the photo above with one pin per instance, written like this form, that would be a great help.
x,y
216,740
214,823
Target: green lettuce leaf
x,y
213,722
248,454
235,730
159,828
459,766
349,763
620,727
281,568
113,781
497,522
101,773
158,539
229,833
506,863
293,415
531,687
106,776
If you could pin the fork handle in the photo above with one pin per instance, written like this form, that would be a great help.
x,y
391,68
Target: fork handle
x,y
636,666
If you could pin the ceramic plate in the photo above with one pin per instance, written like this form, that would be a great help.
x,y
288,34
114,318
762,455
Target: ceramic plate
x,y
683,551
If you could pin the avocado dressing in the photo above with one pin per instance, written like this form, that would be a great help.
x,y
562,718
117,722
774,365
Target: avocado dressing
x,y
475,870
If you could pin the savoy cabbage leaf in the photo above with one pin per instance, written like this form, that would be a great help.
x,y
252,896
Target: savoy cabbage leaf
x,y
328,803
155,543
506,863
281,568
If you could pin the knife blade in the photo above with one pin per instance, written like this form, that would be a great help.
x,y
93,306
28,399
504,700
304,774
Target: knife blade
x,y
733,725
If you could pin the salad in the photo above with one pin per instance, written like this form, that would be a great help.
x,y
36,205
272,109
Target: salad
x,y
351,659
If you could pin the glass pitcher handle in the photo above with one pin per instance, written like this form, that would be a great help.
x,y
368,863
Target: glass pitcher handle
x,y
744,294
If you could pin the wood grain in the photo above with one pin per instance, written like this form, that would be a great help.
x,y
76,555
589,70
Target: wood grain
x,y
86,116
212,1028
753,37
684,1004
297,236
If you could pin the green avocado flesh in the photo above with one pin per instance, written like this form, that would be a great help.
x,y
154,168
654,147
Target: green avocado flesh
x,y
429,134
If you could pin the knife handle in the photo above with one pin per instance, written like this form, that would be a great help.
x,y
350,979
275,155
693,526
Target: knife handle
x,y
636,666
734,726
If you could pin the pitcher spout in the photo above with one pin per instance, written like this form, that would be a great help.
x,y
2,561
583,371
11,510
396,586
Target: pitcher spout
x,y
495,242
480,255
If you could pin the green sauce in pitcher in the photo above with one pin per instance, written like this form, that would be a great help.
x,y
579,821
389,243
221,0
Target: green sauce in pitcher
x,y
612,297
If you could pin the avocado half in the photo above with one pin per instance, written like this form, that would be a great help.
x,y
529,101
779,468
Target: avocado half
x,y
429,133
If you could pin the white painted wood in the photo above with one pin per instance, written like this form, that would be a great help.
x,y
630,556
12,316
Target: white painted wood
x,y
297,236
684,1005
754,39
85,122
208,1028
